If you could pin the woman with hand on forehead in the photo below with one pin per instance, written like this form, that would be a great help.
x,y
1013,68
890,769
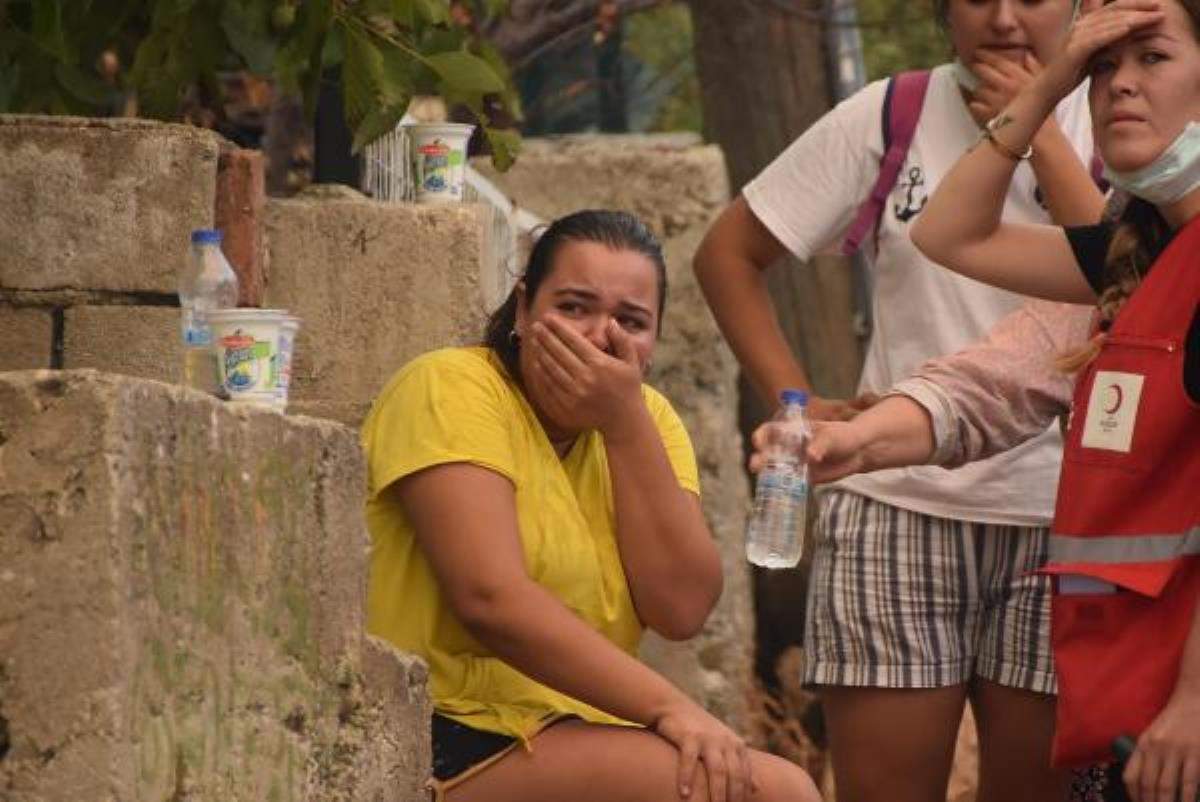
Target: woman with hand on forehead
x,y
533,506
1125,544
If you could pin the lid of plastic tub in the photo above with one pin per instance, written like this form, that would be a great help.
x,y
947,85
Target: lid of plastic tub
x,y
250,312
206,236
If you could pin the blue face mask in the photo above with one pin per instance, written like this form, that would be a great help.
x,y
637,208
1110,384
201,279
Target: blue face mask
x,y
1168,178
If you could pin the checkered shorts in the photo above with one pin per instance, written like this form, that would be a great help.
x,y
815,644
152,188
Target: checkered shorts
x,y
898,599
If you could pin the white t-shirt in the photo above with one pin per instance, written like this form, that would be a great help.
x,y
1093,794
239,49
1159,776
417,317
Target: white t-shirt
x,y
809,196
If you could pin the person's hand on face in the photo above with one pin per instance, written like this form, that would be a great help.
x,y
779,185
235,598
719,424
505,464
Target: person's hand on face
x,y
1000,80
578,385
1098,26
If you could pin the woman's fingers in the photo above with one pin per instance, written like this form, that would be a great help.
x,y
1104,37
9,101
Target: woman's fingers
x,y
1169,766
689,756
718,774
1141,775
748,768
563,343
622,345
1189,778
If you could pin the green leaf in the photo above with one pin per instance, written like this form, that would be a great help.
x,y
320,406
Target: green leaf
x,y
88,88
505,144
362,74
510,97
159,98
404,12
247,29
149,57
396,83
465,72
47,28
368,8
378,122
435,12
10,79
298,63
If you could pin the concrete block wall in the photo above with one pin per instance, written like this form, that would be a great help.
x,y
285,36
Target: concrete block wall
x,y
100,213
375,284
181,604
677,186
96,217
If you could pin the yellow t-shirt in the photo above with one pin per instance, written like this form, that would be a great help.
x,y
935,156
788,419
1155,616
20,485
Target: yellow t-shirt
x,y
459,405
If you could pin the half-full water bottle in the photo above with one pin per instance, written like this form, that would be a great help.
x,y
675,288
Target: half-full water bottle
x,y
775,535
208,282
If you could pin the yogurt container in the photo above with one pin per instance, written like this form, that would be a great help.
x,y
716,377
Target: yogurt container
x,y
246,342
287,342
439,158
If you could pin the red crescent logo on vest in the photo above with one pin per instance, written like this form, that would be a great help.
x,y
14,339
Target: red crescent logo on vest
x,y
1118,398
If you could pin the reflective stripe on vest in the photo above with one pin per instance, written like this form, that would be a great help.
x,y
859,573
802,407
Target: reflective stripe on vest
x,y
1115,549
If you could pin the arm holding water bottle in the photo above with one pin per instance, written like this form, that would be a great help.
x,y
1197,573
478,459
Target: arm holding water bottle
x,y
988,398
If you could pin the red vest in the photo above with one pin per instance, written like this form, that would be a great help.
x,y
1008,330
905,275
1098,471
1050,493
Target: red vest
x,y
1125,544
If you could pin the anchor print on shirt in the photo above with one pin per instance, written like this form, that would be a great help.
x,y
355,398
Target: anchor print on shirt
x,y
911,185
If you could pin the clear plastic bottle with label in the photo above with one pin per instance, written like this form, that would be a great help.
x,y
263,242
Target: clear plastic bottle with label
x,y
775,533
206,283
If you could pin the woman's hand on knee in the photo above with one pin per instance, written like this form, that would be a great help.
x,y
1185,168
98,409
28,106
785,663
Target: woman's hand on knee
x,y
703,739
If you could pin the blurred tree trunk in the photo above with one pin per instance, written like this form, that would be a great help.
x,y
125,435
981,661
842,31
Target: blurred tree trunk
x,y
763,81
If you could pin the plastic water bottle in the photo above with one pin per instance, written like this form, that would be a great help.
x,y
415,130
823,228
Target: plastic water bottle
x,y
208,282
775,535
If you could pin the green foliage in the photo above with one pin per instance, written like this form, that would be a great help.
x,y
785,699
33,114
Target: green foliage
x,y
900,35
661,39
87,56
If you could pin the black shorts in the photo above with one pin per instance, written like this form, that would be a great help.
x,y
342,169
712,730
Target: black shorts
x,y
457,747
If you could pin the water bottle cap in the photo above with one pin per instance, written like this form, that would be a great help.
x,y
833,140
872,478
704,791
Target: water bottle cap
x,y
206,236
793,397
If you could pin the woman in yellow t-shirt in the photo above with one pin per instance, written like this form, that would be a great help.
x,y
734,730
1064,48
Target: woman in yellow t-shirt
x,y
532,506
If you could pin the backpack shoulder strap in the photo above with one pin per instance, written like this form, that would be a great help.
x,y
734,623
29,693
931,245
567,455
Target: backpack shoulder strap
x,y
901,112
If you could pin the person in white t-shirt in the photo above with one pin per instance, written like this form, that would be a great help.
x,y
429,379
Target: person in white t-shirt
x,y
920,597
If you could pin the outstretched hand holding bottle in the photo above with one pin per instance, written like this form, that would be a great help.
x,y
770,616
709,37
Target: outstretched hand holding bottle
x,y
775,533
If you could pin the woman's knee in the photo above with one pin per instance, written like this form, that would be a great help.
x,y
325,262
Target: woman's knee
x,y
779,780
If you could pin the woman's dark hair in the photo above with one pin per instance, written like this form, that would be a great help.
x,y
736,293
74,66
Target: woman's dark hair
x,y
620,231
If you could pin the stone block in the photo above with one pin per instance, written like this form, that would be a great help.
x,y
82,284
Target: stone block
x,y
182,588
375,284
26,337
101,204
677,186
240,199
141,341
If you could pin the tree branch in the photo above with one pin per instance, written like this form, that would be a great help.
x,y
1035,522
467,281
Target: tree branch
x,y
531,24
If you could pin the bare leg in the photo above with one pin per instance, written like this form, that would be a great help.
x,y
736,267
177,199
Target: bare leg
x,y
595,763
1015,731
891,744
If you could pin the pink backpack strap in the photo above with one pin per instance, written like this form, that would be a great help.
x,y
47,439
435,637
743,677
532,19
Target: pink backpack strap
x,y
901,112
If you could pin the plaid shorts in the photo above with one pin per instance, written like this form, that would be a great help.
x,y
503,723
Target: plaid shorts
x,y
898,599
